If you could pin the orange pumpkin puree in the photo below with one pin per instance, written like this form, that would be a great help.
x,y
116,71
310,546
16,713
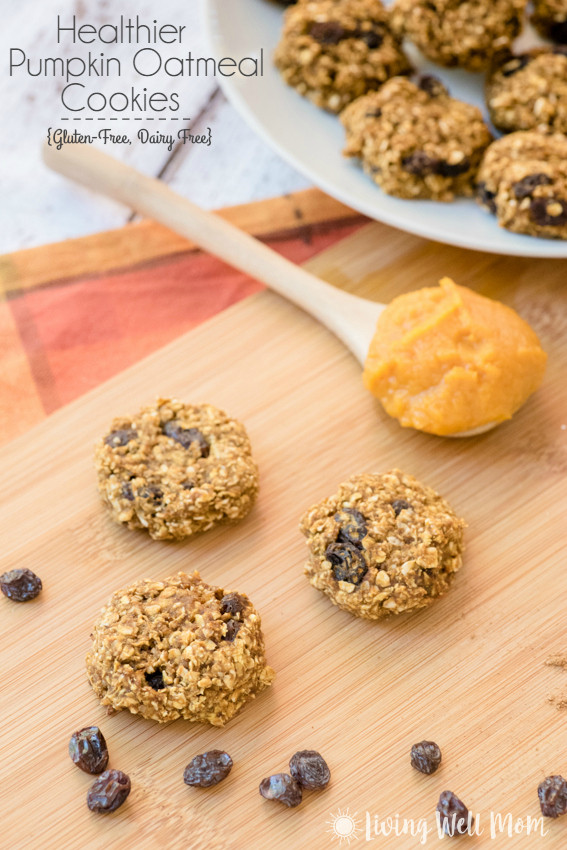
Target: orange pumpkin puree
x,y
446,360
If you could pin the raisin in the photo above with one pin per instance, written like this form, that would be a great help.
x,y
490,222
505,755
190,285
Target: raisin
x,y
352,526
20,585
400,505
347,561
452,169
524,188
486,197
374,113
548,212
108,791
371,38
155,680
310,769
126,491
187,485
425,757
208,769
151,492
232,629
88,749
558,32
328,32
454,816
419,163
233,604
283,788
187,436
120,437
514,65
432,85
552,793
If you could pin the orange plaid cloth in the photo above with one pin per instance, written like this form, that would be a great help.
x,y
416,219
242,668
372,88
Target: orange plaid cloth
x,y
60,338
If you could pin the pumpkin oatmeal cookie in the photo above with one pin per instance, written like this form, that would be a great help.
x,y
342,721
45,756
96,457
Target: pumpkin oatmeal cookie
x,y
416,141
333,51
175,469
178,648
383,544
529,91
523,181
550,19
463,33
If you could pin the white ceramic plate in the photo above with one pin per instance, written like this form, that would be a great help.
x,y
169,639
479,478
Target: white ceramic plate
x,y
312,140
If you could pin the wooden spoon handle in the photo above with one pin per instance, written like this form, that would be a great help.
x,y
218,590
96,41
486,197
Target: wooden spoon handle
x,y
351,318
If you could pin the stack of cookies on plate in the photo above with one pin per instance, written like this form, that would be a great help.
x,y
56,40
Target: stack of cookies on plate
x,y
412,138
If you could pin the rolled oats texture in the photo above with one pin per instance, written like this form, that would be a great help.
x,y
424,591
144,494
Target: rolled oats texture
x,y
411,555
523,181
175,469
178,648
333,51
415,141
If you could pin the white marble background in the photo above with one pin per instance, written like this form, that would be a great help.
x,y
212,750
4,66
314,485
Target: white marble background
x,y
40,207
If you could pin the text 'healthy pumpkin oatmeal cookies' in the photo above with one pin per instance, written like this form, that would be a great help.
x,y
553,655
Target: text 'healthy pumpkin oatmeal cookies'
x,y
529,91
464,33
550,18
416,141
383,544
175,469
523,181
178,648
333,51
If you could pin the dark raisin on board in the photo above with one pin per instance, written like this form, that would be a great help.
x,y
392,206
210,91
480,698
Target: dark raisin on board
x,y
524,188
552,793
309,769
400,505
453,814
352,526
425,757
207,769
88,750
120,437
20,585
548,212
108,791
233,604
187,437
347,562
283,788
155,680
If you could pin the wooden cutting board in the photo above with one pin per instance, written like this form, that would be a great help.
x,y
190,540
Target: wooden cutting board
x,y
468,673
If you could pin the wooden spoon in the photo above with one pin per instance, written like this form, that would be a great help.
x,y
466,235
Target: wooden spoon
x,y
350,318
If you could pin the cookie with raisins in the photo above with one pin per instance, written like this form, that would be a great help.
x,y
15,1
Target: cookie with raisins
x,y
178,648
175,469
383,544
523,181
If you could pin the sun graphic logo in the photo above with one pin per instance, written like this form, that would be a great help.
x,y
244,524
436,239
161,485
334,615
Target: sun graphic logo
x,y
344,826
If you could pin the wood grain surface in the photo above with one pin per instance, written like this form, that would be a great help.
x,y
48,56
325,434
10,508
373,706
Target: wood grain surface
x,y
468,672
